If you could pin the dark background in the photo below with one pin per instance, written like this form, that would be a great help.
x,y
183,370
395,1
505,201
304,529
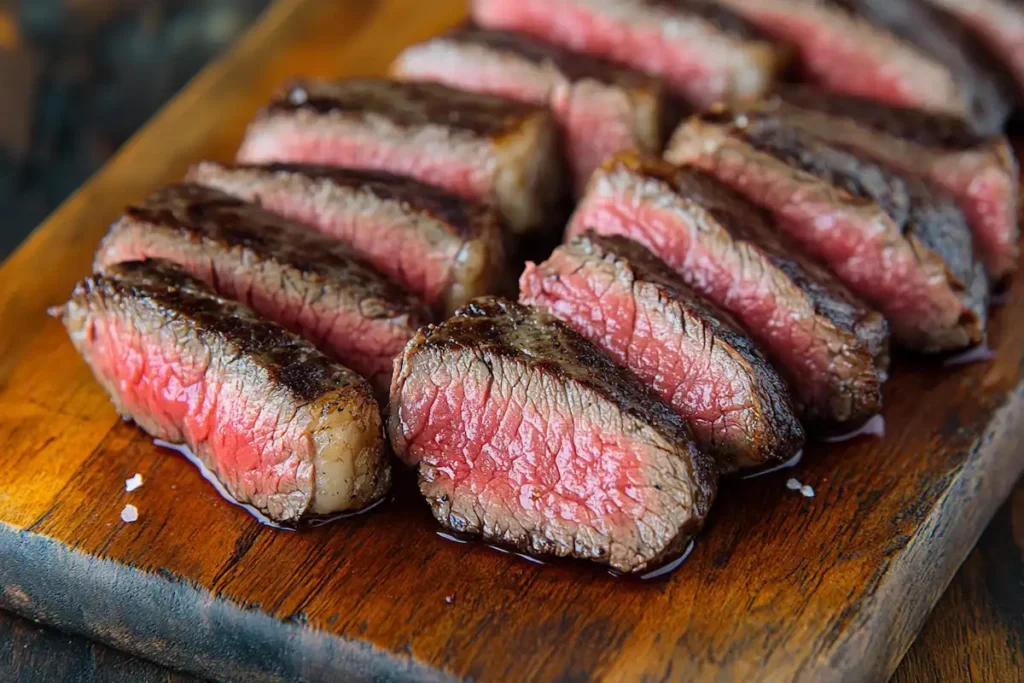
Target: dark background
x,y
78,77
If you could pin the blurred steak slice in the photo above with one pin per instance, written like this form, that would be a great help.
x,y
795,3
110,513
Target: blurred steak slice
x,y
480,147
308,283
625,300
526,434
828,346
441,247
705,54
1000,23
981,173
903,247
894,51
602,108
281,426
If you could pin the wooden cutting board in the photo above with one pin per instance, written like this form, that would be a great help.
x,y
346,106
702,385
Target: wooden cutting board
x,y
780,587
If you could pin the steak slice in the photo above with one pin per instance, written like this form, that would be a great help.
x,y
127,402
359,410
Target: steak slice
x,y
526,434
898,244
281,426
705,54
894,51
602,108
981,173
443,248
480,147
625,300
828,346
308,283
1000,23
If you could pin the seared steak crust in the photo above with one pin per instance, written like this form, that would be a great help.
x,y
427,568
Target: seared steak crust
x,y
705,53
984,88
305,281
407,104
902,246
926,218
445,249
728,250
625,300
575,66
560,407
981,173
603,108
153,336
481,147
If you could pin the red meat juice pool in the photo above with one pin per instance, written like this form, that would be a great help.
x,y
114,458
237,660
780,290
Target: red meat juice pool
x,y
260,517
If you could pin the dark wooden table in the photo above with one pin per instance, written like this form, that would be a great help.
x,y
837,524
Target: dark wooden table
x,y
976,632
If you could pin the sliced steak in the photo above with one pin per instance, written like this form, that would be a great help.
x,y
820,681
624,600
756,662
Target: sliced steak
x,y
625,300
894,51
1000,23
481,147
981,173
526,434
282,427
704,53
830,348
443,248
308,283
602,108
900,245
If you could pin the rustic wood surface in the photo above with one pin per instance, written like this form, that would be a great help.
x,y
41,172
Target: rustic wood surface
x,y
976,632
781,587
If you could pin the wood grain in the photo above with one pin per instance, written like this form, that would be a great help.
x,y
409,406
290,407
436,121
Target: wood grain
x,y
781,587
976,632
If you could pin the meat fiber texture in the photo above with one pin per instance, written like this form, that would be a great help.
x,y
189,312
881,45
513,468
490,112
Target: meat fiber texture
x,y
481,147
1000,23
828,345
308,283
602,108
441,247
903,247
529,436
704,53
981,173
281,426
898,52
626,301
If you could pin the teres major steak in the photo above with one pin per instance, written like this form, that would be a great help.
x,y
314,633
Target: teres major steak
x,y
526,434
827,344
284,428
896,242
441,247
893,51
306,282
981,173
480,147
622,298
705,54
602,108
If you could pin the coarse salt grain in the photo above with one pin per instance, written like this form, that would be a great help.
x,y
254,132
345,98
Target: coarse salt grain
x,y
807,491
133,483
793,484
129,514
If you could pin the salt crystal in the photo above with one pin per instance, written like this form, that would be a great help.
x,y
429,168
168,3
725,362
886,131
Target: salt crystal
x,y
133,483
130,513
793,484
449,599
807,491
